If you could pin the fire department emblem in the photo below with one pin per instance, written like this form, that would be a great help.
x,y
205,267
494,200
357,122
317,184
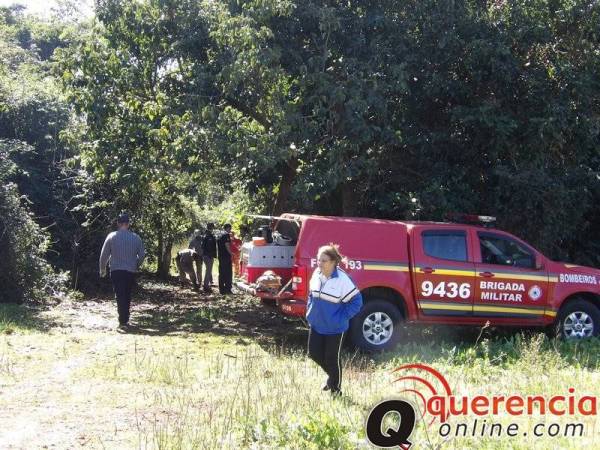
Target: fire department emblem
x,y
535,292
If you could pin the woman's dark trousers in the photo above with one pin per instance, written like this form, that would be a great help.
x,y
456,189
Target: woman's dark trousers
x,y
324,349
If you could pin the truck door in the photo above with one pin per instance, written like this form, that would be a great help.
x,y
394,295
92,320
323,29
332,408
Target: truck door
x,y
508,283
444,272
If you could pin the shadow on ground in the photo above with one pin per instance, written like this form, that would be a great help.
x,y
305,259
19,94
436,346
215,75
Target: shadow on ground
x,y
24,317
164,308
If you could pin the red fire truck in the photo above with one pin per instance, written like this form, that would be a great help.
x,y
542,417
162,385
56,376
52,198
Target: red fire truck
x,y
429,272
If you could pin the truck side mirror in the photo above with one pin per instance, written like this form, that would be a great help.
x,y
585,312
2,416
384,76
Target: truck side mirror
x,y
539,263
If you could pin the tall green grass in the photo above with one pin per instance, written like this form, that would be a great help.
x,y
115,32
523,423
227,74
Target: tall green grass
x,y
205,391
217,394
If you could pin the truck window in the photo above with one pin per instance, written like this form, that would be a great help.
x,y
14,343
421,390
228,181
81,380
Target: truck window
x,y
503,251
445,244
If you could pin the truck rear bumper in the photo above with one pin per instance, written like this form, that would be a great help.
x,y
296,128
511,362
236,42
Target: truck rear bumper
x,y
292,307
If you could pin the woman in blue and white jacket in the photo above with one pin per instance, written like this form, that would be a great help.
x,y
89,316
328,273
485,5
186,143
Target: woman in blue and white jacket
x,y
333,300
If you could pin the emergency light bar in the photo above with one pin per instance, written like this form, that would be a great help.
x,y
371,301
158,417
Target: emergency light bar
x,y
485,221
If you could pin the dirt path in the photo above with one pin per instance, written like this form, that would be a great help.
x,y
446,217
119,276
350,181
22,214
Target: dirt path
x,y
35,409
44,403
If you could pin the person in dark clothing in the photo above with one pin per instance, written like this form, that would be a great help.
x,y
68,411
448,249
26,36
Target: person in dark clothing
x,y
185,264
209,253
125,252
225,272
196,245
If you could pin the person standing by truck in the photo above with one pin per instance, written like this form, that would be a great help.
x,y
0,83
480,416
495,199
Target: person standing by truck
x,y
332,301
196,245
209,253
225,273
236,250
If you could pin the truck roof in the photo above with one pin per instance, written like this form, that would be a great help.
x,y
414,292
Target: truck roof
x,y
406,223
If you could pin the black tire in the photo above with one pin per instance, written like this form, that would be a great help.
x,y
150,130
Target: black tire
x,y
578,319
377,320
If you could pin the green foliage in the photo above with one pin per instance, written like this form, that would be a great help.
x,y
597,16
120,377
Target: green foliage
x,y
24,273
488,124
139,140
32,110
403,110
316,431
233,208
323,431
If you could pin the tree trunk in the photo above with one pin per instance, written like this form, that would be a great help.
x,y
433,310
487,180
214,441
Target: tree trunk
x,y
75,260
285,186
163,255
349,199
166,260
159,249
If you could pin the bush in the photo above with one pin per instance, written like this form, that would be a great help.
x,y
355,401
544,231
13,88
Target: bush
x,y
24,271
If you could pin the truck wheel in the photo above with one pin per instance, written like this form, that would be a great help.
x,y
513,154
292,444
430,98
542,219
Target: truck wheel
x,y
376,327
579,320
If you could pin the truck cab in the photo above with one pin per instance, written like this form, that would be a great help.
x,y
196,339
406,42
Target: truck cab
x,y
439,273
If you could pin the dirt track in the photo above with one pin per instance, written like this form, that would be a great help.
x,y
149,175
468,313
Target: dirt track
x,y
160,308
41,406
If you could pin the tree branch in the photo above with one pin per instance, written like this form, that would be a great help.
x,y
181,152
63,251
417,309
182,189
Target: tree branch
x,y
244,109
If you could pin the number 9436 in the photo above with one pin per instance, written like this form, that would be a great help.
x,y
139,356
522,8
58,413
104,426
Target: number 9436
x,y
444,289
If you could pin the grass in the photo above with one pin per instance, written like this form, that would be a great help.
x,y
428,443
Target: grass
x,y
219,395
210,391
15,318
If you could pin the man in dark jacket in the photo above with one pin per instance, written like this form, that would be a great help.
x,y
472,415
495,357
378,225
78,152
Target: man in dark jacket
x,y
209,253
225,272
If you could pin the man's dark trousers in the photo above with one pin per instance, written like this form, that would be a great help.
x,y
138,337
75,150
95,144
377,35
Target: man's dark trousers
x,y
122,281
225,275
324,349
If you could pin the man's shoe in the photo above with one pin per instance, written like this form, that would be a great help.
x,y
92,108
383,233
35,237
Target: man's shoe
x,y
326,387
123,327
336,393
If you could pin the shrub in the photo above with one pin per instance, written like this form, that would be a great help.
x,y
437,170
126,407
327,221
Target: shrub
x,y
24,271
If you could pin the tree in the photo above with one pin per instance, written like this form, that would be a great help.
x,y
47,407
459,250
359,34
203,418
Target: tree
x,y
388,109
33,112
140,142
24,272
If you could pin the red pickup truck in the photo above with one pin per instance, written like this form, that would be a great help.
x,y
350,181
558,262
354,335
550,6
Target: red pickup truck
x,y
429,272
